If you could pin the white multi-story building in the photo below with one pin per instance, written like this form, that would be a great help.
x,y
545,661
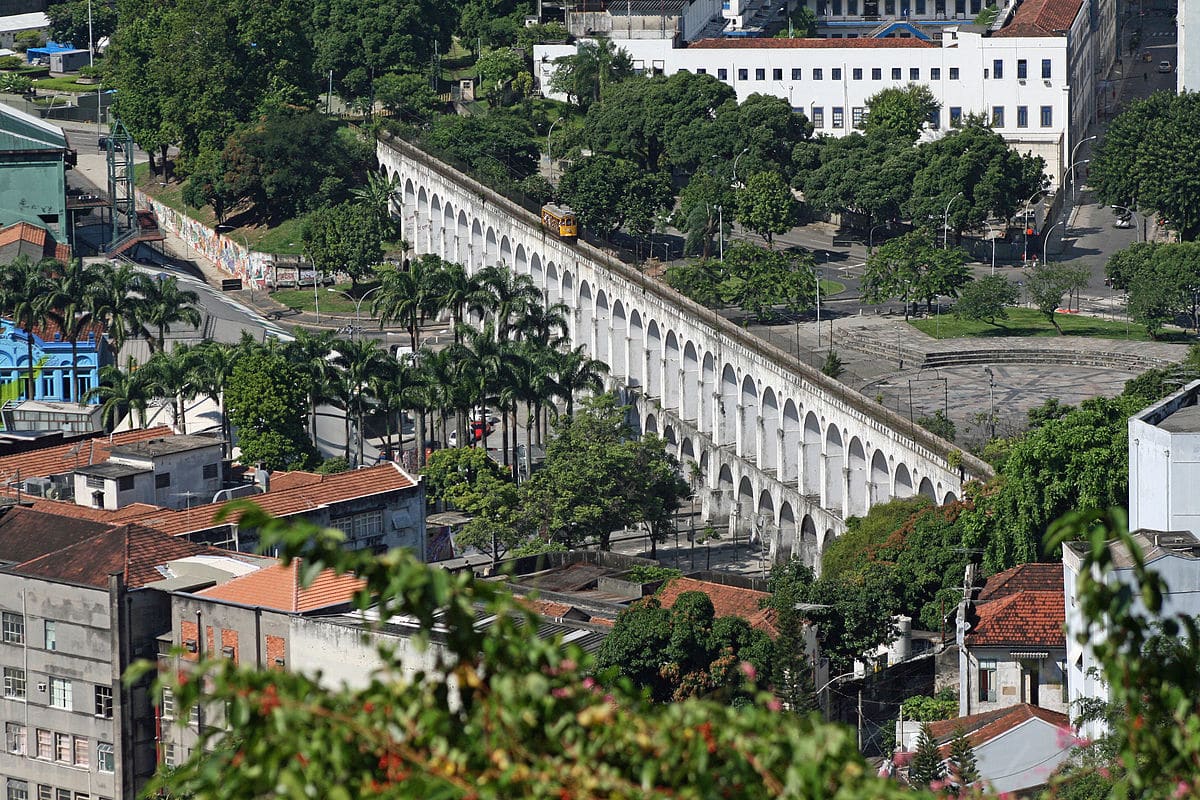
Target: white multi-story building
x,y
1187,48
1164,464
1033,76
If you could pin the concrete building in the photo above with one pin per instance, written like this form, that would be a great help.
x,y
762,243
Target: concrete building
x,y
672,20
1187,49
39,416
55,377
1011,644
34,156
170,472
1164,463
1174,556
76,612
13,24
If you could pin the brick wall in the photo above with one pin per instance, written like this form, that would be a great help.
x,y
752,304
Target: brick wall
x,y
229,638
276,648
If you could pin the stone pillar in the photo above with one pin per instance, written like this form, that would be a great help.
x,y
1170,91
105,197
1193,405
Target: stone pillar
x,y
846,492
739,447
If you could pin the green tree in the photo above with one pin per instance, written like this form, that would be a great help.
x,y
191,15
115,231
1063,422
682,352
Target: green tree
x,y
920,708
583,492
207,185
595,65
871,176
359,359
1165,286
759,133
757,280
72,21
169,375
121,392
913,267
1048,283
986,299
902,111
408,95
267,399
212,366
23,285
766,206
1123,265
471,481
161,303
607,192
963,767
498,67
67,301
833,366
926,765
346,238
802,24
939,424
1144,160
377,195
500,148
700,212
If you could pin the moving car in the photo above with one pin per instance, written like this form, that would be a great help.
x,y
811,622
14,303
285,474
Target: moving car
x,y
1164,66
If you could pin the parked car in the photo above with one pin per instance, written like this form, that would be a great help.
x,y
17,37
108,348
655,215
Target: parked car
x,y
474,435
1164,66
1123,222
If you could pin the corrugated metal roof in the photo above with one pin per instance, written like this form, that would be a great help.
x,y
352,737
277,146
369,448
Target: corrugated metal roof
x,y
21,131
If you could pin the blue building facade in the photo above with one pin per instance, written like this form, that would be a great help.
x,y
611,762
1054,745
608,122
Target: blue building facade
x,y
52,367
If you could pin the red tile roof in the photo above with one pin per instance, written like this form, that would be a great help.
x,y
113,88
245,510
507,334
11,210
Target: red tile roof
x,y
1023,619
132,550
1033,577
278,587
129,513
983,727
59,459
728,601
1041,18
785,44
37,237
26,534
546,608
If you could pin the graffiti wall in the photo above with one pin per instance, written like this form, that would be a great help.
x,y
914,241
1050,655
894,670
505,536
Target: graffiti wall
x,y
230,256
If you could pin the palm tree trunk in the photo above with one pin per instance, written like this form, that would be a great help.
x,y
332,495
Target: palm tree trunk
x,y
504,433
162,338
420,442
182,406
347,448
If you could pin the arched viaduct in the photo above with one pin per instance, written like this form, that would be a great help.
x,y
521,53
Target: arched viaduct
x,y
779,444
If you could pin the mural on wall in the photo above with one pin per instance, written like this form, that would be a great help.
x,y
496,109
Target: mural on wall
x,y
230,256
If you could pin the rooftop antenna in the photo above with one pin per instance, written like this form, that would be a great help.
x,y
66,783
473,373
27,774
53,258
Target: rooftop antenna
x,y
74,453
188,494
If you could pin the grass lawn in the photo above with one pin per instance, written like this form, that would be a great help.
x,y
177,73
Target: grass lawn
x,y
830,288
1030,322
332,301
64,84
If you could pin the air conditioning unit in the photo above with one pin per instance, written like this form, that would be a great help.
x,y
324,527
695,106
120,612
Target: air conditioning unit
x,y
189,645
38,487
41,687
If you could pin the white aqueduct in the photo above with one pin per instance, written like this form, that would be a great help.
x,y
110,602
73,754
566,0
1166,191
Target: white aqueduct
x,y
778,443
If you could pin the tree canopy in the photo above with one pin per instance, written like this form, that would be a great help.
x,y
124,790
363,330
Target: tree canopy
x,y
343,238
267,398
751,277
913,267
606,193
901,110
766,205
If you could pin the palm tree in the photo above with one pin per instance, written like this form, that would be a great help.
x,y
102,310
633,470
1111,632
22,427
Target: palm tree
x,y
377,195
539,381
112,303
407,296
22,289
211,366
575,371
170,375
121,392
390,389
482,363
359,359
67,301
312,353
545,325
504,294
455,290
162,303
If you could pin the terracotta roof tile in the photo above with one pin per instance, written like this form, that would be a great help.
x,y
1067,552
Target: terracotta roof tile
x,y
728,601
783,44
26,534
1023,619
1034,577
546,608
278,587
132,550
983,727
37,237
129,513
1035,18
59,459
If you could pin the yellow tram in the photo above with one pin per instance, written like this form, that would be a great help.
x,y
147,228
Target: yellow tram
x,y
561,220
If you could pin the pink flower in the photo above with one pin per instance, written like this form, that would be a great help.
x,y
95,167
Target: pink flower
x,y
1181,789
1068,738
774,704
561,692
589,682
748,670
567,665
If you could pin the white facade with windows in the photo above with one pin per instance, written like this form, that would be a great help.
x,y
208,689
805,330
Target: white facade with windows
x,y
172,471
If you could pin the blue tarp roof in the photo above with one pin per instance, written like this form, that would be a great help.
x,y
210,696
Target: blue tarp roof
x,y
51,47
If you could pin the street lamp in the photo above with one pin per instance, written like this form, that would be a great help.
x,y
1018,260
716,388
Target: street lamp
x,y
946,222
1074,192
871,236
991,404
549,156
735,160
993,237
817,273
1071,161
1046,241
357,303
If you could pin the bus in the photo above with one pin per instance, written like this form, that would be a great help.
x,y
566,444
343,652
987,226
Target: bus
x,y
561,220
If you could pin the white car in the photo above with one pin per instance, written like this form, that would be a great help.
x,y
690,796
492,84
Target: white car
x,y
1164,66
1123,222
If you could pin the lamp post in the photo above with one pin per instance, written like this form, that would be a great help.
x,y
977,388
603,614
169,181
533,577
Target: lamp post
x,y
993,238
871,237
991,403
1074,192
1046,242
946,222
817,273
1025,222
735,160
357,304
721,232
1071,161
549,156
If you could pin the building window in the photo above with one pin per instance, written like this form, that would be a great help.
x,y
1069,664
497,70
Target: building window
x,y
1022,69
796,73
18,789
760,74
935,119
51,635
162,480
1022,116
858,116
987,680
876,73
45,792
776,74
818,117
1045,69
701,71
168,754
914,73
64,794
14,683
856,73
997,116
997,69
94,482
125,483
60,693
194,716
62,747
104,702
45,745
955,116
836,73
839,117
82,751
818,74
14,627
954,73
896,73
14,738
722,74
935,73
743,74
105,757
1047,116
167,706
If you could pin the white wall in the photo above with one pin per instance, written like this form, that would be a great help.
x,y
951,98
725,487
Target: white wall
x,y
1187,72
1022,757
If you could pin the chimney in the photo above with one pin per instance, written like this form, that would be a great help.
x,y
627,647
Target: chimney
x,y
262,478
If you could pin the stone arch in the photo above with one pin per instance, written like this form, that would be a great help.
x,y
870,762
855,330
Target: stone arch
x,y
724,481
620,344
926,489
770,428
669,435
553,288
749,410
521,260
784,544
789,456
950,497
810,548
537,273
462,239
637,347
746,507
491,248
810,456
763,524
437,225
408,222
902,482
653,356
672,373
857,478
603,327
422,223
708,394
506,255
686,451
727,407
691,390
880,479
476,251
585,335
650,425
835,462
